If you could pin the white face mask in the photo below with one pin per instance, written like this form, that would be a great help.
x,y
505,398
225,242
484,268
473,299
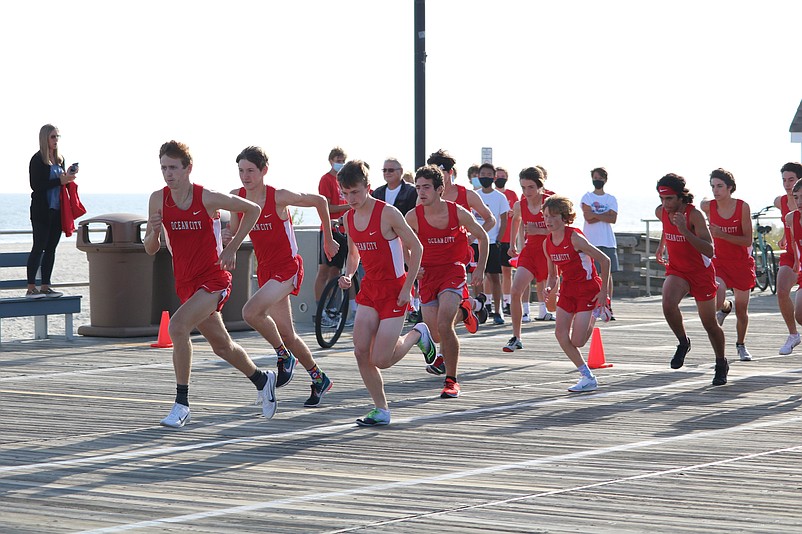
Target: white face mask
x,y
476,183
337,166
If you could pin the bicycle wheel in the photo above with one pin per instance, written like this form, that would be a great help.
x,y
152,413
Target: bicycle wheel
x,y
772,269
761,268
331,313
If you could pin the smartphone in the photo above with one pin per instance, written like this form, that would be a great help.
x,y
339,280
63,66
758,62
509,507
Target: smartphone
x,y
73,168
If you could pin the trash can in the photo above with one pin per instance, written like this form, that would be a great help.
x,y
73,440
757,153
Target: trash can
x,y
120,277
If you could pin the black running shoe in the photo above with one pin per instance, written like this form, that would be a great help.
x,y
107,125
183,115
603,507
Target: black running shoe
x,y
679,357
482,314
286,367
318,390
720,377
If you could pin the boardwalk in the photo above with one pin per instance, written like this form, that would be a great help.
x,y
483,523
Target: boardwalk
x,y
653,450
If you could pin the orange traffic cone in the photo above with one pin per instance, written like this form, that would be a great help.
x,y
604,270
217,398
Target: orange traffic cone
x,y
164,341
596,356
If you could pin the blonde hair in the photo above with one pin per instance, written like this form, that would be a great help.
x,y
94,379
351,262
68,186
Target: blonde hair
x,y
44,145
562,205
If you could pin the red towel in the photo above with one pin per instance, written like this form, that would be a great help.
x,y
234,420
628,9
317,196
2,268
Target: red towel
x,y
71,207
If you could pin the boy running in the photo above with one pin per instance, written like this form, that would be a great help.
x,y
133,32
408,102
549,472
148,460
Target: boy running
x,y
786,277
189,215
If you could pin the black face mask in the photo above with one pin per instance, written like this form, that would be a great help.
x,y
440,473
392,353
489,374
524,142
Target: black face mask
x,y
486,182
501,182
598,184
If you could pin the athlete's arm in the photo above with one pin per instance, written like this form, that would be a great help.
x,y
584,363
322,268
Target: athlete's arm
x,y
285,198
660,253
153,231
581,244
352,263
503,227
214,201
476,204
467,220
551,280
698,235
789,223
410,241
515,229
233,223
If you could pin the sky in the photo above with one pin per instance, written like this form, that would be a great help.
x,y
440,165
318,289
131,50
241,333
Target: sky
x,y
639,88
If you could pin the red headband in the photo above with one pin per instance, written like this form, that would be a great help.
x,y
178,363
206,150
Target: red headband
x,y
666,190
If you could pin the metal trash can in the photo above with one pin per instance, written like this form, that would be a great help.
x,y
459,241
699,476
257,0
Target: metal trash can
x,y
120,277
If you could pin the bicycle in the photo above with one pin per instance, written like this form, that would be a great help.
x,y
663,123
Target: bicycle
x,y
765,262
333,311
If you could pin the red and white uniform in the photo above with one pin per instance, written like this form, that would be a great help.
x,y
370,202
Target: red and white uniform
x,y
462,200
786,259
512,198
687,262
734,263
443,259
194,241
383,262
532,257
580,282
274,242
797,242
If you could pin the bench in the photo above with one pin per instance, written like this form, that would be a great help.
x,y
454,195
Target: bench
x,y
39,309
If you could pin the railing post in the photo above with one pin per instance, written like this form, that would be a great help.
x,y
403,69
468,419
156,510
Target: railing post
x,y
648,262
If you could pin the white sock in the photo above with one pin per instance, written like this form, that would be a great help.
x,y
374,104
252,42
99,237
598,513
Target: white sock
x,y
526,308
543,309
507,299
415,303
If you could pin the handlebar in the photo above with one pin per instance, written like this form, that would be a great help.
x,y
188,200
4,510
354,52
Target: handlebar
x,y
762,212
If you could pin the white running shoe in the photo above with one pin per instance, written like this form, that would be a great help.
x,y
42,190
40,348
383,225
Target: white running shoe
x,y
178,417
792,341
585,384
267,396
743,354
525,318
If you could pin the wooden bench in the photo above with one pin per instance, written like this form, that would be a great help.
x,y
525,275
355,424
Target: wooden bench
x,y
39,309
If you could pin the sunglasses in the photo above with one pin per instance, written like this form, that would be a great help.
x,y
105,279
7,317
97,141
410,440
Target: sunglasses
x,y
390,170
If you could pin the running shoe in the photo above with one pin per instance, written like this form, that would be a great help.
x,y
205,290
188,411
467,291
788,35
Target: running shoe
x,y
586,383
34,294
525,318
679,356
267,396
178,417
498,319
426,343
602,313
318,390
326,321
720,378
548,316
450,389
468,316
792,341
481,313
506,309
51,293
286,367
512,345
414,317
375,417
721,314
743,353
438,367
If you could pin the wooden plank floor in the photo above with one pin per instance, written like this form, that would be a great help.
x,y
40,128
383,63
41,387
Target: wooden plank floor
x,y
652,450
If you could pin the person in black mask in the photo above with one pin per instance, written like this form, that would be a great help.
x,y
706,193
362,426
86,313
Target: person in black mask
x,y
600,210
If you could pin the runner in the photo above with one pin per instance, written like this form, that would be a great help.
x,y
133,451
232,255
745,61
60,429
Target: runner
x,y
442,227
377,234
189,215
794,222
532,262
731,228
786,277
689,270
583,294
280,269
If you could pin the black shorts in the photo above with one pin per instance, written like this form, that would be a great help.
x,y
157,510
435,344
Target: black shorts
x,y
504,258
493,260
339,259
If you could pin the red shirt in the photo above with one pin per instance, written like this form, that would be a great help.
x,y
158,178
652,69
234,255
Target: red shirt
x,y
575,266
273,238
534,240
382,259
512,198
682,256
462,197
733,226
192,237
785,210
329,187
442,246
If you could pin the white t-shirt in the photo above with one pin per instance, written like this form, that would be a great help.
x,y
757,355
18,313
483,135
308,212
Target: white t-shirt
x,y
498,205
599,233
391,194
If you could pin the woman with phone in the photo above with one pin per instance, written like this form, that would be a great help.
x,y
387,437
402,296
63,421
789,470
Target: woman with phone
x,y
47,175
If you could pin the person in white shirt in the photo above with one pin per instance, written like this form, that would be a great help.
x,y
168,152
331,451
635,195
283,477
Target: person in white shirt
x,y
498,205
600,210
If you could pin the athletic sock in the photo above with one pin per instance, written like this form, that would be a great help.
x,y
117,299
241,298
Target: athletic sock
x,y
526,308
282,352
182,394
585,371
316,374
259,379
507,299
543,309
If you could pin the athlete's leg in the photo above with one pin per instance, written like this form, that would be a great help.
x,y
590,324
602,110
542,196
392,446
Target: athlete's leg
x,y
520,289
388,345
366,324
562,331
493,280
191,313
257,311
721,293
582,328
741,314
674,290
448,304
431,311
707,313
281,312
216,334
786,279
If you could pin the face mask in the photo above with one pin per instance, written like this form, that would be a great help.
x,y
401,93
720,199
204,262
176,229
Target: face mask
x,y
501,182
476,183
486,182
337,166
598,184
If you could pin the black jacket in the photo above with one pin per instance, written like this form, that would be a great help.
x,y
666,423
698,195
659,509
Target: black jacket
x,y
406,199
41,183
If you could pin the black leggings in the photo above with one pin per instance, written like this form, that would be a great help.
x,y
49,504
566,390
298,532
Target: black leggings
x,y
46,234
